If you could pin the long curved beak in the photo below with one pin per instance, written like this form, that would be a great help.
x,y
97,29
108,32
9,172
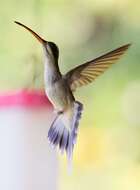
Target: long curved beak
x,y
41,40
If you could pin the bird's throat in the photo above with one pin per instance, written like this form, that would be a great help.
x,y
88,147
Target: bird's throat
x,y
51,70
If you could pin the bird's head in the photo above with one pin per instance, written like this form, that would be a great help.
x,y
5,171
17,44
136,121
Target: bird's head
x,y
50,47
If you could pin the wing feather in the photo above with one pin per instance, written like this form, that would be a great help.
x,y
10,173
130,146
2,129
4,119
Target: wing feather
x,y
89,71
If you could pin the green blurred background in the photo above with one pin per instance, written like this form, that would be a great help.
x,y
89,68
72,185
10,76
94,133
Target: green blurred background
x,y
107,155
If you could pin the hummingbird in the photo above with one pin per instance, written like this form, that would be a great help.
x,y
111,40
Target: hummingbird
x,y
60,90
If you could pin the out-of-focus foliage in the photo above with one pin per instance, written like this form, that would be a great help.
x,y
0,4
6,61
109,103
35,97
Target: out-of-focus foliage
x,y
107,155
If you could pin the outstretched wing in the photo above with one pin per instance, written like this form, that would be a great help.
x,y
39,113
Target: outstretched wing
x,y
87,72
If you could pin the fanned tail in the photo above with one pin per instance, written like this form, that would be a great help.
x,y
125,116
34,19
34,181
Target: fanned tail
x,y
61,134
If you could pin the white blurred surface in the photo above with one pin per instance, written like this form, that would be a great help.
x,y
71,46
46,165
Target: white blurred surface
x,y
26,160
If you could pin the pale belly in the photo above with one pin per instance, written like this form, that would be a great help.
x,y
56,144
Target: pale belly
x,y
58,96
56,88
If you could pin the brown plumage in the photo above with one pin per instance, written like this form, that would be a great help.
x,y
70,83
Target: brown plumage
x,y
89,71
59,89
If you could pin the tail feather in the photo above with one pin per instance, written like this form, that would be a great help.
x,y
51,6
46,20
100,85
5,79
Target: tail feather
x,y
65,136
64,140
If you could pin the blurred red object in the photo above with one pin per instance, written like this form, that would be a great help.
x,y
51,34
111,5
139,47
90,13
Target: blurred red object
x,y
27,98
